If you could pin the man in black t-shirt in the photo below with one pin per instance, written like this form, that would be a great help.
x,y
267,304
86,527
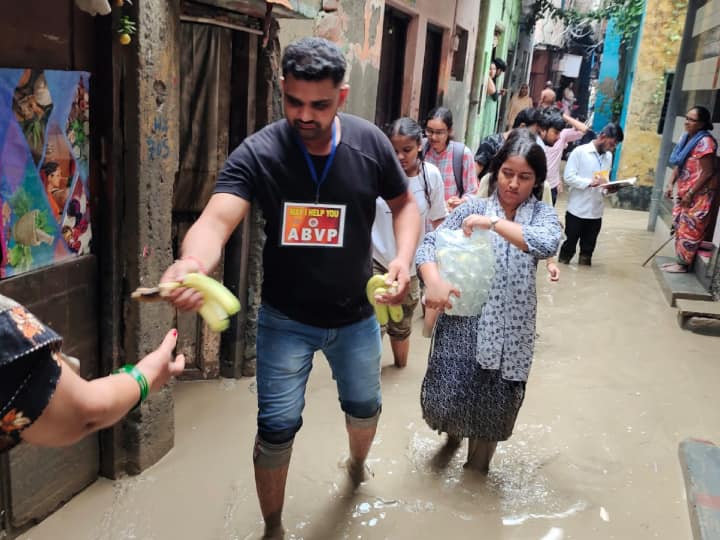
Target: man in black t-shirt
x,y
316,176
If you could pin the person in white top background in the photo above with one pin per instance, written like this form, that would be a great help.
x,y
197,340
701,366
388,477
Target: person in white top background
x,y
554,152
588,167
426,185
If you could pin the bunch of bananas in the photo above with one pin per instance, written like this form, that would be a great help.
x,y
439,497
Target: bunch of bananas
x,y
383,312
219,304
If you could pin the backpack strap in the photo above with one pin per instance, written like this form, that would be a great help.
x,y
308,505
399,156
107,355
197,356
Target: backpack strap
x,y
458,155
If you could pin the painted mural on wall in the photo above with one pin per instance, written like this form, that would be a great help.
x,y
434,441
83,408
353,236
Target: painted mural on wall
x,y
44,168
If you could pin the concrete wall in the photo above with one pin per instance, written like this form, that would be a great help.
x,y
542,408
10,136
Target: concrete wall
x,y
457,93
658,51
357,28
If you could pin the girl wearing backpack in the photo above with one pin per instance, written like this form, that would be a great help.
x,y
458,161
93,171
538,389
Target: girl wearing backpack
x,y
454,159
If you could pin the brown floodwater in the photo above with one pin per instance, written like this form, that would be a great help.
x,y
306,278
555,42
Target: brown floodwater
x,y
615,386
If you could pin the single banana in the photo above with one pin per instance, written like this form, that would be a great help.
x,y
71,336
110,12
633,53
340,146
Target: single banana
x,y
214,315
213,290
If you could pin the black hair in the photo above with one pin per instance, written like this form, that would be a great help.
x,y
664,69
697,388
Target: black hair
x,y
314,59
528,117
50,167
613,131
552,118
500,64
407,127
703,117
521,143
441,113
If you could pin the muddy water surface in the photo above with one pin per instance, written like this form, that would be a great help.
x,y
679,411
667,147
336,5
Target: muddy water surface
x,y
615,386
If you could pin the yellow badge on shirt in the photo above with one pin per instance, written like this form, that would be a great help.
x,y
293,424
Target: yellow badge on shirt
x,y
317,225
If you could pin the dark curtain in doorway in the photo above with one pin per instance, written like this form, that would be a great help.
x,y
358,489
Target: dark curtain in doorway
x,y
205,68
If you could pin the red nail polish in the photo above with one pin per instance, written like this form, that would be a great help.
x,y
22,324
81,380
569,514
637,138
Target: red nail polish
x,y
174,333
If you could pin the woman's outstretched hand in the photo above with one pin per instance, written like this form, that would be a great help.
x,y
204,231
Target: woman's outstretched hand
x,y
161,364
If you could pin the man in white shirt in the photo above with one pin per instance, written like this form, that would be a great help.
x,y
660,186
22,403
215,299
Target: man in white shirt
x,y
588,168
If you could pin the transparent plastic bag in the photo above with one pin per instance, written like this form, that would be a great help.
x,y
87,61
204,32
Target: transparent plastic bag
x,y
468,262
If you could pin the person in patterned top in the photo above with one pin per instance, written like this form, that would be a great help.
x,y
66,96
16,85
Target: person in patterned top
x,y
475,380
45,402
695,172
440,150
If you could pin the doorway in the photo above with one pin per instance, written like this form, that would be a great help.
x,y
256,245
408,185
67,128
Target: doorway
x,y
217,67
392,68
431,71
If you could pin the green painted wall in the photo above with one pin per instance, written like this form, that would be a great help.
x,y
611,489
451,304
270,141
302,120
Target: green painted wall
x,y
508,20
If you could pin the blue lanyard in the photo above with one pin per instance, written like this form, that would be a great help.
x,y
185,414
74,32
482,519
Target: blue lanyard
x,y
599,158
328,163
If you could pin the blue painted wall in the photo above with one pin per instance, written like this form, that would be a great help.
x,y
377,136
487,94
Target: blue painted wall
x,y
628,91
607,78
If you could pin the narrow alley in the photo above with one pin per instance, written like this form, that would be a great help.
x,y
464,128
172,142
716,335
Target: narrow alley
x,y
615,386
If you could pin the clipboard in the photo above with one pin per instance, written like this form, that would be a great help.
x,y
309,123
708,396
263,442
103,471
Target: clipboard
x,y
620,183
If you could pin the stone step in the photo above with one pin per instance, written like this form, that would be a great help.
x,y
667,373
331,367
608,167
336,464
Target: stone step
x,y
698,308
704,267
677,286
699,316
700,463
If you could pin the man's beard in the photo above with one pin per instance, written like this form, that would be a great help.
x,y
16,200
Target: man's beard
x,y
304,132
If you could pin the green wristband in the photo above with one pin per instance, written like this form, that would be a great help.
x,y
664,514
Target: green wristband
x,y
142,381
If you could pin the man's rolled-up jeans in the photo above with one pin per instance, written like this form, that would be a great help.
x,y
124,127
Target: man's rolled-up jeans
x,y
285,350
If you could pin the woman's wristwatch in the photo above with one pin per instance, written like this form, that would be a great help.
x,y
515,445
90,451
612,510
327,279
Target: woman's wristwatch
x,y
493,222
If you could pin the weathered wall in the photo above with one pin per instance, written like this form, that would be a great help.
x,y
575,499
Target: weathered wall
x,y
151,132
424,12
457,96
659,49
357,28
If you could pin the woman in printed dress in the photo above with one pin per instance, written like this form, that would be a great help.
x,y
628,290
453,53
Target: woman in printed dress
x,y
695,172
45,402
439,151
475,380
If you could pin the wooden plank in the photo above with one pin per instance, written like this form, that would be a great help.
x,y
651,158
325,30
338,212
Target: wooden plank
x,y
677,286
42,479
36,34
698,308
65,297
700,462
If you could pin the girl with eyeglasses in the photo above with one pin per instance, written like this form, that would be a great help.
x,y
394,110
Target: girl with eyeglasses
x,y
449,156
